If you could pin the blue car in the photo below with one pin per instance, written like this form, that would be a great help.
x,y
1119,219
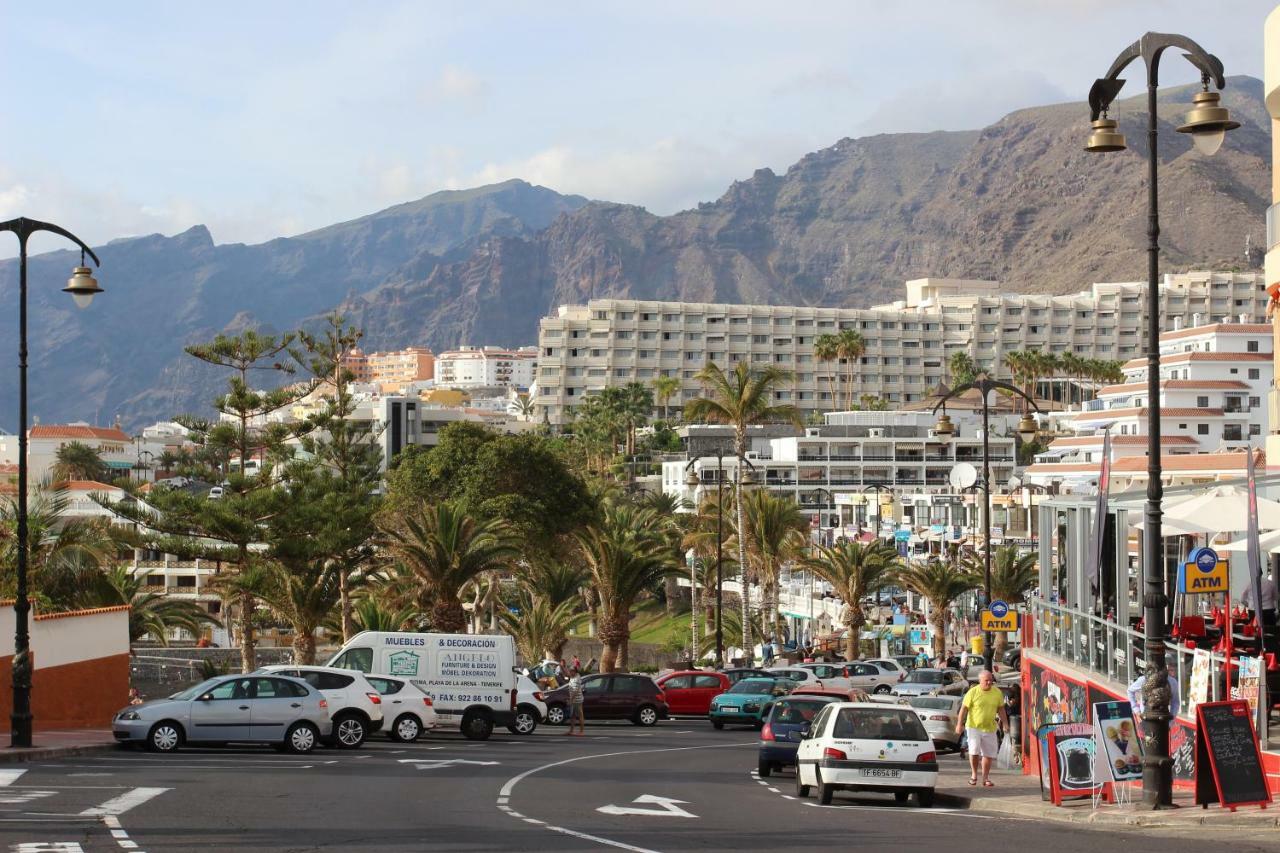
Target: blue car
x,y
748,701
784,728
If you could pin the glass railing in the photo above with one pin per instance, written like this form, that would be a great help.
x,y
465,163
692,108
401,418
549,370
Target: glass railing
x,y
1273,226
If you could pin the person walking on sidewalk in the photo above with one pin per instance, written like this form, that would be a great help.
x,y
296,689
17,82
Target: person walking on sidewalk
x,y
981,715
576,702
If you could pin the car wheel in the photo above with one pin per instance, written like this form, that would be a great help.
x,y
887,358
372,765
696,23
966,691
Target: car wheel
x,y
825,791
301,738
764,768
557,714
525,724
349,731
924,798
406,729
901,796
165,736
881,689
476,726
646,715
717,725
802,790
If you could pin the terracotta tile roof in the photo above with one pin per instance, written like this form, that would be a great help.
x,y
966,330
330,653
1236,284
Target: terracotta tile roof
x,y
77,431
1131,412
87,486
1123,440
40,617
1218,328
1189,384
1179,357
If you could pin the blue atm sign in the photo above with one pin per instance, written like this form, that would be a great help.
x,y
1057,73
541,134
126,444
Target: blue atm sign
x,y
1203,572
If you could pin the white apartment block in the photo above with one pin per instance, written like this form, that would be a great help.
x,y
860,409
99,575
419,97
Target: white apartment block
x,y
478,367
116,449
608,342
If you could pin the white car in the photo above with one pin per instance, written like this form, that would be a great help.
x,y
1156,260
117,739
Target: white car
x,y
939,715
890,665
355,705
801,675
530,709
408,708
868,747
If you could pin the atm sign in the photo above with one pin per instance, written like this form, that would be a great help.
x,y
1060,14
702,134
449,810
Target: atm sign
x,y
1006,623
1200,581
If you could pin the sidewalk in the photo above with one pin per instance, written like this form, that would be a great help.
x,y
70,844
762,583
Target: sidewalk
x,y
57,744
1019,795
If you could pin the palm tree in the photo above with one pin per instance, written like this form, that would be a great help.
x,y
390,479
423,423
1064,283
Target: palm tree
x,y
851,346
1073,366
627,553
442,548
941,583
826,348
664,388
741,398
776,532
241,591
855,570
700,536
306,597
540,628
674,511
962,368
64,555
151,614
369,614
1012,574
555,581
76,461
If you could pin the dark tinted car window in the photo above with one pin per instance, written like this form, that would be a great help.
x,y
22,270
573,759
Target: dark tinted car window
x,y
704,681
333,681
632,684
796,711
386,686
299,690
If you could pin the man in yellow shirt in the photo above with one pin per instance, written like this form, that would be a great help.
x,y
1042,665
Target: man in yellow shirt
x,y
982,714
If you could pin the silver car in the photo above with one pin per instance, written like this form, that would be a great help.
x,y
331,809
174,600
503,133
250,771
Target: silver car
x,y
939,715
929,682
285,712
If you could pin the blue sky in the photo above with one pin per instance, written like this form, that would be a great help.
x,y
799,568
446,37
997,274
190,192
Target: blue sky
x,y
268,119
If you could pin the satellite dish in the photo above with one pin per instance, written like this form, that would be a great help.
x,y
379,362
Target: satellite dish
x,y
963,475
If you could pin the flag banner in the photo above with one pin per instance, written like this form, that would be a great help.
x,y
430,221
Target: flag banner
x,y
1100,516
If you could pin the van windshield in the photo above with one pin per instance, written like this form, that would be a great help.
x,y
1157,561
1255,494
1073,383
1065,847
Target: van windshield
x,y
360,659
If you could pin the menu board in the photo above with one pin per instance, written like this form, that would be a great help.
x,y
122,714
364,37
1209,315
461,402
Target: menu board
x,y
1228,762
1119,747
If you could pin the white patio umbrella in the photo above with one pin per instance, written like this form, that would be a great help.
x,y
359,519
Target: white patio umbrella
x,y
1167,527
1220,510
1268,542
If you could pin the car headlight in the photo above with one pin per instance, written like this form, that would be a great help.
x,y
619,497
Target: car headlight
x,y
128,715
751,706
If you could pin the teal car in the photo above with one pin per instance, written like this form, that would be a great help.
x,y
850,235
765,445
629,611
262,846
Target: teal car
x,y
748,702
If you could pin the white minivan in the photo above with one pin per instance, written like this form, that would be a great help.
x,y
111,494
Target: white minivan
x,y
471,678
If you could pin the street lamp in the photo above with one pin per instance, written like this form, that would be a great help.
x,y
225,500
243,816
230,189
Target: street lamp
x,y
876,488
83,287
944,430
1207,123
693,481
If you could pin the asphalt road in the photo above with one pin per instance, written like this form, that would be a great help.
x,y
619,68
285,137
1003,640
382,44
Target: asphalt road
x,y
680,786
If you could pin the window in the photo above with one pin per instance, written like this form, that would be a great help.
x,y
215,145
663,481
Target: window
x,y
1255,429
1255,373
270,688
1202,402
680,682
705,682
235,689
1251,346
1202,429
1255,402
360,660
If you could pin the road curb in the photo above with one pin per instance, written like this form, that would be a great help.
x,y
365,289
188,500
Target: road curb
x,y
20,755
1111,816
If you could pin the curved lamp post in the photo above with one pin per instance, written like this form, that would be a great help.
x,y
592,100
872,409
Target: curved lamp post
x,y
1207,124
83,287
945,430
692,480
876,488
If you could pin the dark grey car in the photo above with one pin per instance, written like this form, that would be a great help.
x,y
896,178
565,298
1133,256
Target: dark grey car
x,y
285,712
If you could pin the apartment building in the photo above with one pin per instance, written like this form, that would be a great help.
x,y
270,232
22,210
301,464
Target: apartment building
x,y
116,449
403,421
392,371
586,348
480,367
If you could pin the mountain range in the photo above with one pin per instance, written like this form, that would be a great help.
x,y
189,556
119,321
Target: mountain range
x,y
1019,201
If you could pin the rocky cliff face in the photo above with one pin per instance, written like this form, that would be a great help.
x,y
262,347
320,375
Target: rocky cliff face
x,y
1019,201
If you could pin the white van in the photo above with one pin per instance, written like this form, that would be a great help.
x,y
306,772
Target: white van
x,y
471,678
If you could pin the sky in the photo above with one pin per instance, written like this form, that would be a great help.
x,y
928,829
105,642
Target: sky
x,y
268,119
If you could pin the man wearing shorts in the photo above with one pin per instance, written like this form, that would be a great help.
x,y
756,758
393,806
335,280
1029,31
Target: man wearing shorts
x,y
576,712
981,716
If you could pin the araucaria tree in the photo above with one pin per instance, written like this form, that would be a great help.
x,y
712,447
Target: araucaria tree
x,y
742,398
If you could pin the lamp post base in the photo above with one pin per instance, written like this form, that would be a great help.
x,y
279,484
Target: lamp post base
x,y
19,730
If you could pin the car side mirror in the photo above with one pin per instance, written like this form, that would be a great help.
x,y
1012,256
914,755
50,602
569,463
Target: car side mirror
x,y
205,698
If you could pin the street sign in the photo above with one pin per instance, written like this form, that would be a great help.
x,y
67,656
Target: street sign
x,y
666,807
902,535
1006,623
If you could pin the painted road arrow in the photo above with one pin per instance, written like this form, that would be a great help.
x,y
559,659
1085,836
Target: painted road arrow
x,y
666,807
432,764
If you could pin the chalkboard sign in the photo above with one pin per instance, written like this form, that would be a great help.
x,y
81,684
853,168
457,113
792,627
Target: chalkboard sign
x,y
1228,763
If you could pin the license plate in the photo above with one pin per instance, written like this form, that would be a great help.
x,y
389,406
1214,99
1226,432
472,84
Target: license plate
x,y
729,709
882,772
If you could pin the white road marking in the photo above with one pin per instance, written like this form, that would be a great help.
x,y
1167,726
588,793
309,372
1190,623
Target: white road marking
x,y
24,796
47,847
8,777
123,803
666,807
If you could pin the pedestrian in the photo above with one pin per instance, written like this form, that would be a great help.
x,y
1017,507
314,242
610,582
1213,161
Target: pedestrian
x,y
982,715
576,703
134,698
922,659
577,664
1269,600
953,662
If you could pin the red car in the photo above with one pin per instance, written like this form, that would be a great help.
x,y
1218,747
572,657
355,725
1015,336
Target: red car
x,y
690,692
852,694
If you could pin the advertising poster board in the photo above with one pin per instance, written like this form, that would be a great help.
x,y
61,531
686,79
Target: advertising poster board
x,y
1228,762
1250,673
1200,669
1072,755
1119,748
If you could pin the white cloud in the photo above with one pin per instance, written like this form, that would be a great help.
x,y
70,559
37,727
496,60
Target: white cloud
x,y
969,103
456,84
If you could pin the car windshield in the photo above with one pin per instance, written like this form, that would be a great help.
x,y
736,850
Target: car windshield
x,y
932,703
753,685
797,711
193,692
923,676
878,724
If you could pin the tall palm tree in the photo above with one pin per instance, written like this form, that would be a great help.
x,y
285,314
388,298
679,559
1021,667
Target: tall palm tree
x,y
306,597
1073,366
540,628
151,614
76,461
664,388
826,348
941,583
556,581
742,398
855,570
776,532
241,591
704,536
1012,574
852,346
962,368
627,553
444,547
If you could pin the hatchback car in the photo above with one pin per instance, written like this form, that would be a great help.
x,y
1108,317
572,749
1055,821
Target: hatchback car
x,y
843,694
784,727
939,715
616,696
690,692
868,747
355,705
530,707
800,674
737,673
927,682
409,709
229,709
890,665
748,701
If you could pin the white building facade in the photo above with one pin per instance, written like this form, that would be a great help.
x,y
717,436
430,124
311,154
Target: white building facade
x,y
479,367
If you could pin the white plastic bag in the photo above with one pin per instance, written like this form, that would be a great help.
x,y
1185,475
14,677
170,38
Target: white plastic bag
x,y
1005,755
